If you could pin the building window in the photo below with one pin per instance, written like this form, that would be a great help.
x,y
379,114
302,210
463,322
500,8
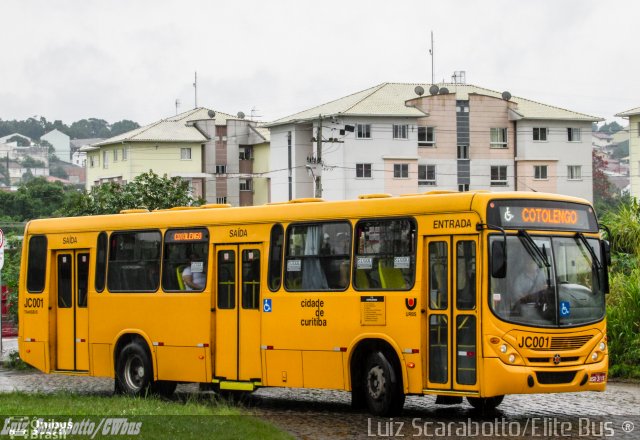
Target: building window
x,y
540,134
426,137
499,175
221,200
125,153
94,160
400,131
498,138
221,169
540,172
463,152
463,187
363,170
573,134
401,170
105,160
426,175
246,185
574,172
185,153
246,153
363,131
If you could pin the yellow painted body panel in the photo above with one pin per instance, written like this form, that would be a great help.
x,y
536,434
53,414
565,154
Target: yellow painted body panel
x,y
305,339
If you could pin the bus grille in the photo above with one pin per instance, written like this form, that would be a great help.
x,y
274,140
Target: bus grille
x,y
555,377
569,342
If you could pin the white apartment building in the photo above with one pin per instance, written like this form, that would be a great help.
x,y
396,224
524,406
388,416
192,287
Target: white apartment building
x,y
390,139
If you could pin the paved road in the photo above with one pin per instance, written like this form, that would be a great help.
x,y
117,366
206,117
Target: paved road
x,y
310,413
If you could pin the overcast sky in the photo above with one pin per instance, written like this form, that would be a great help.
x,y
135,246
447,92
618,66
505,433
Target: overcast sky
x,y
131,59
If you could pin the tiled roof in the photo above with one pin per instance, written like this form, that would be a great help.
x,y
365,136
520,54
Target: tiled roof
x,y
632,112
388,99
173,129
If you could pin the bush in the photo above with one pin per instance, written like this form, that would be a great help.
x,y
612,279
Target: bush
x,y
623,324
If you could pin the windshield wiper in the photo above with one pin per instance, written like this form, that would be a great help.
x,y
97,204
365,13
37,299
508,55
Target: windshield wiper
x,y
595,262
538,256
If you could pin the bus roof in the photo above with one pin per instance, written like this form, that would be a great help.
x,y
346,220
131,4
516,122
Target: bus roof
x,y
295,210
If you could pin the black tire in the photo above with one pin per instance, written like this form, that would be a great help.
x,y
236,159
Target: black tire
x,y
164,388
134,374
485,403
382,386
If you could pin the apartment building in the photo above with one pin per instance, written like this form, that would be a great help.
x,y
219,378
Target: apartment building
x,y
395,138
633,116
213,151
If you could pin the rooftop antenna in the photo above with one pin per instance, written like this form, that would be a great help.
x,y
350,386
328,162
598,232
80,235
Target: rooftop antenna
x,y
195,86
431,53
254,113
177,105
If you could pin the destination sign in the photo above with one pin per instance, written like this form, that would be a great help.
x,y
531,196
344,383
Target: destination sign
x,y
187,236
541,214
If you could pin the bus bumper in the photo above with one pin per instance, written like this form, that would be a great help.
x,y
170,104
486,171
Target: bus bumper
x,y
500,378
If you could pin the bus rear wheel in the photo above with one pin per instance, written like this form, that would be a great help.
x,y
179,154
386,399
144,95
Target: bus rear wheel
x,y
382,386
485,403
134,374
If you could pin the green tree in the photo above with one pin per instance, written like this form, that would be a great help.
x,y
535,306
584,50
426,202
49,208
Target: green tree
x,y
58,171
22,142
148,190
611,128
30,162
123,126
35,198
11,272
89,128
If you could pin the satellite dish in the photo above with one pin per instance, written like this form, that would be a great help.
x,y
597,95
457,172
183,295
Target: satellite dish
x,y
240,115
419,90
434,89
506,95
211,114
444,91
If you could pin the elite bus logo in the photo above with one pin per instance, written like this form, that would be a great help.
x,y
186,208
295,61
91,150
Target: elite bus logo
x,y
410,303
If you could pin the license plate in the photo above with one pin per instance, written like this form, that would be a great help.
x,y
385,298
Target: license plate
x,y
597,377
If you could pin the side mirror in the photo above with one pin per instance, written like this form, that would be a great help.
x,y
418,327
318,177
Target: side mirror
x,y
498,259
606,252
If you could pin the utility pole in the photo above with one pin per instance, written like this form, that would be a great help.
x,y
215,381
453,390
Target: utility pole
x,y
319,153
195,86
431,53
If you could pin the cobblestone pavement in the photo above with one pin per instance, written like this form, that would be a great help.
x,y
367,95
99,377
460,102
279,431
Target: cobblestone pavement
x,y
312,414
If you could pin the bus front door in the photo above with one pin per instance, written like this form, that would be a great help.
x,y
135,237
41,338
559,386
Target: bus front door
x,y
237,308
452,316
72,317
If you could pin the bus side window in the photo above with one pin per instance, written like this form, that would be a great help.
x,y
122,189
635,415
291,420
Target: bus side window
x,y
185,263
385,254
275,257
134,261
101,262
318,256
37,264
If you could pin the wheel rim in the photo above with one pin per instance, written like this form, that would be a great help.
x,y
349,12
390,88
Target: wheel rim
x,y
134,373
376,382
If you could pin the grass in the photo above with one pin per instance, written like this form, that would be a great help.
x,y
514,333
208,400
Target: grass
x,y
199,417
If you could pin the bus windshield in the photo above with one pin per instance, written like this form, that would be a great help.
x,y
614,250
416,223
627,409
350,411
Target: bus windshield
x,y
550,281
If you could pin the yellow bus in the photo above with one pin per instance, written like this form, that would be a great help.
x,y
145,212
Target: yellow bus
x,y
474,295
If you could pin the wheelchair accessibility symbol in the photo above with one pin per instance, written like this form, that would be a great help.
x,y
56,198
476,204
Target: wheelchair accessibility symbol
x,y
266,305
565,308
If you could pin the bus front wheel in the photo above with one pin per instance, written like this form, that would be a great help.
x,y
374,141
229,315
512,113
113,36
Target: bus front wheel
x,y
134,373
382,386
485,403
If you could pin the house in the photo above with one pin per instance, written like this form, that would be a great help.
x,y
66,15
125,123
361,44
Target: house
x,y
213,151
601,140
78,157
60,142
393,138
633,116
5,139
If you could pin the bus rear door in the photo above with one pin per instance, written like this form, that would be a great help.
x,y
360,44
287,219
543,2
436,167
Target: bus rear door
x,y
72,317
452,316
237,309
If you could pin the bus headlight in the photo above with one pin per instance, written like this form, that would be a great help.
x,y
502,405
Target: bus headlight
x,y
512,358
503,348
594,356
602,346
